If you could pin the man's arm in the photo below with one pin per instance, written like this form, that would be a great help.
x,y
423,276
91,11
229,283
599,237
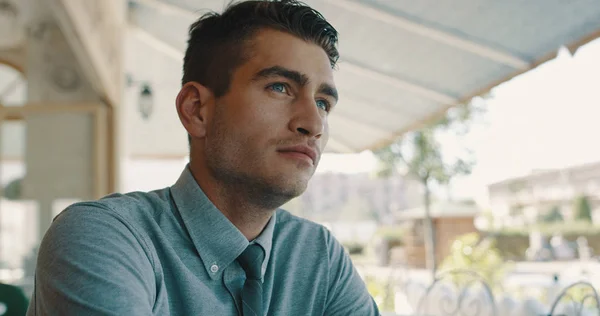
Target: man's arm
x,y
348,294
91,263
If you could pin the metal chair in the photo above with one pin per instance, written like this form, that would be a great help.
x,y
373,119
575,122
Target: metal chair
x,y
458,292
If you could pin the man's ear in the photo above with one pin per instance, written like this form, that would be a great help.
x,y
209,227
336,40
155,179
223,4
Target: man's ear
x,y
194,108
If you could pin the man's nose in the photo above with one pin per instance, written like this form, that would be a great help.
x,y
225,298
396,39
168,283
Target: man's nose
x,y
308,120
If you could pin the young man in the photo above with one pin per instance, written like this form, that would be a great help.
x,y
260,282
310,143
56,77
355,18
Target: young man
x,y
257,90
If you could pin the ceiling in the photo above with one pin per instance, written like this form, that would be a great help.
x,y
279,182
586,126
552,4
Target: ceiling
x,y
404,62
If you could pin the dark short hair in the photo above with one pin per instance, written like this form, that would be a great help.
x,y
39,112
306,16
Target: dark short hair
x,y
217,43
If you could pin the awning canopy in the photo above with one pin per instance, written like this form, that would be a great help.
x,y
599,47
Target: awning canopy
x,y
405,62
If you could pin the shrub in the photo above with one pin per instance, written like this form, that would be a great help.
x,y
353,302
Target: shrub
x,y
583,210
553,216
393,235
382,292
474,253
354,248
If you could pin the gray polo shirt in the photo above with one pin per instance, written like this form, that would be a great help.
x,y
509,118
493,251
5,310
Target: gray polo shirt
x,y
172,252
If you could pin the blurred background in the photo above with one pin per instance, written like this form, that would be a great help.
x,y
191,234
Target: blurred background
x,y
463,140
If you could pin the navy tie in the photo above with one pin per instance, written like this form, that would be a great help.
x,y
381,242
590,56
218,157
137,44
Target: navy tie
x,y
251,261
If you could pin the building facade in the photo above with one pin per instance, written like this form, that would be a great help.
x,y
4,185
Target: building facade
x,y
522,200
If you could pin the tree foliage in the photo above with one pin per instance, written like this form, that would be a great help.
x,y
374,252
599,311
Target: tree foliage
x,y
13,190
473,253
553,216
420,154
583,209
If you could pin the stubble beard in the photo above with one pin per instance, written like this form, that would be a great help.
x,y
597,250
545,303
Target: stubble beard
x,y
239,172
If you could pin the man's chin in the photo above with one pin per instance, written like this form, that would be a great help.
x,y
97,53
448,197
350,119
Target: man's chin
x,y
289,191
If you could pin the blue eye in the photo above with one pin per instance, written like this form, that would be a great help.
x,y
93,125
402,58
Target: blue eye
x,y
279,87
322,104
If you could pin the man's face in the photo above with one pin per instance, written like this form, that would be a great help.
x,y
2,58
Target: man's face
x,y
269,130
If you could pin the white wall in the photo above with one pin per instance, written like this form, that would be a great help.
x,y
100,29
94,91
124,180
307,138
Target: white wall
x,y
148,175
162,134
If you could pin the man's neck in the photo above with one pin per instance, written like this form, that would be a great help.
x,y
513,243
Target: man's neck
x,y
248,219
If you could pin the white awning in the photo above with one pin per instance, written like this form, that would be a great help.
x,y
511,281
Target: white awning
x,y
405,62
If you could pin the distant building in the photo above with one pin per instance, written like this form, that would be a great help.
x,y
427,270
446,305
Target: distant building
x,y
520,201
450,220
343,197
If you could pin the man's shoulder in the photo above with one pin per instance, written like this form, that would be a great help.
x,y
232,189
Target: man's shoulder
x,y
123,221
132,206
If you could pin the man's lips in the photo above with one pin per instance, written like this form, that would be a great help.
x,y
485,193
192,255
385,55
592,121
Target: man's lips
x,y
301,150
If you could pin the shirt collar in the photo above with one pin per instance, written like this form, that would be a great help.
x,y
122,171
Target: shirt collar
x,y
216,239
265,240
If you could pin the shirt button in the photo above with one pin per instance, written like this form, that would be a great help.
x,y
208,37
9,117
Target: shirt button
x,y
214,268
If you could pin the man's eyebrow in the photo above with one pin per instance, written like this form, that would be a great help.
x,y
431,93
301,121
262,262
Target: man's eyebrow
x,y
295,76
278,71
329,90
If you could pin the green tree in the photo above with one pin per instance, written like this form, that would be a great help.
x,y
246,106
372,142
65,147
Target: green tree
x,y
420,154
583,210
553,216
13,190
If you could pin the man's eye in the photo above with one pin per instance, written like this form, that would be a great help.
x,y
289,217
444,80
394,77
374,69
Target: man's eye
x,y
323,105
279,87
